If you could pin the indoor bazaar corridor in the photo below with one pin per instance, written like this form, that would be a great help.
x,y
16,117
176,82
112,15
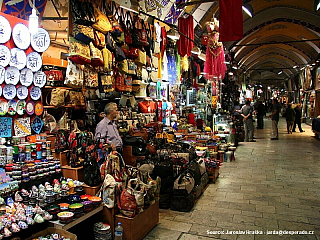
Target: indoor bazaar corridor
x,y
272,185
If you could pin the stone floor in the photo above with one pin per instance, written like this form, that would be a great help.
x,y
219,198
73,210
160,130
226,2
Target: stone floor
x,y
272,185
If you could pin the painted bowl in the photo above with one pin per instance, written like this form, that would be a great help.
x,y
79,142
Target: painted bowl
x,y
65,217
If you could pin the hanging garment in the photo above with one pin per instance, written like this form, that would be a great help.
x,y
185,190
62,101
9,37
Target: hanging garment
x,y
147,106
165,76
185,45
164,40
172,69
159,111
214,64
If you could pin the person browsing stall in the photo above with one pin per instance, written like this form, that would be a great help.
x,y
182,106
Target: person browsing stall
x,y
108,128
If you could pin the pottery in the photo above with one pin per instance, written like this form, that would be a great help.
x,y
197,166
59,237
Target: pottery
x,y
65,217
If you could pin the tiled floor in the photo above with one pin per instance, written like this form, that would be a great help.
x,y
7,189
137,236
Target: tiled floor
x,y
272,185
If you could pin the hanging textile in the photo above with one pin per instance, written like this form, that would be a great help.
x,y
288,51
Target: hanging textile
x,y
172,68
165,76
164,40
185,26
231,20
214,64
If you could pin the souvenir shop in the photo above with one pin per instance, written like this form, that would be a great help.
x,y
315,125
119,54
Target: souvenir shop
x,y
58,176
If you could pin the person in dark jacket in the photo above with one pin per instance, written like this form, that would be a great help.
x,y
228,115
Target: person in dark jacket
x,y
297,120
260,113
290,116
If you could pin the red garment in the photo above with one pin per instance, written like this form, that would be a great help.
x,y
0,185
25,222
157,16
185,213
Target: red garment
x,y
164,40
191,118
147,106
159,104
231,20
185,26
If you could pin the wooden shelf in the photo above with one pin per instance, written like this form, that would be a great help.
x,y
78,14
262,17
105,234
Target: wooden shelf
x,y
68,106
59,225
54,62
49,87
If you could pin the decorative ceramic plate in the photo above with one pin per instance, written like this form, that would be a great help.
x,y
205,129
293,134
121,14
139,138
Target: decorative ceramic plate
x,y
38,108
21,107
5,55
30,107
34,61
12,107
3,107
5,30
26,77
12,75
9,91
18,58
39,79
22,92
21,36
35,93
41,40
0,90
2,74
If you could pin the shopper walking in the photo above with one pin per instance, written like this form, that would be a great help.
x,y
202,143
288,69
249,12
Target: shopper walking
x,y
246,112
290,116
275,118
297,120
260,114
107,128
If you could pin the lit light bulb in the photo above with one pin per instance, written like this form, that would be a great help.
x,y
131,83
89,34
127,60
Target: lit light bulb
x,y
33,22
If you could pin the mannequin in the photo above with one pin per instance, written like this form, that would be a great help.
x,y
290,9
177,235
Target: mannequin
x,y
166,111
147,106
174,123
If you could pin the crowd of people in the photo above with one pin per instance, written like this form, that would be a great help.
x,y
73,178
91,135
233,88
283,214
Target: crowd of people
x,y
246,112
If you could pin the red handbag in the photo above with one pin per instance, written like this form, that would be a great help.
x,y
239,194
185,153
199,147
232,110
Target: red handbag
x,y
204,40
127,202
54,75
119,82
128,28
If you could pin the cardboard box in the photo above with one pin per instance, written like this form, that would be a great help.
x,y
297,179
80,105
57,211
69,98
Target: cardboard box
x,y
51,230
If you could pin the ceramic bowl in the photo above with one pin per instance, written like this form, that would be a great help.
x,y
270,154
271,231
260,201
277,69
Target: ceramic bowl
x,y
85,197
64,206
65,217
96,201
74,199
87,206
76,207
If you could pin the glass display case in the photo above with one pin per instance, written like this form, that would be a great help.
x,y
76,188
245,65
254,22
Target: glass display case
x,y
222,127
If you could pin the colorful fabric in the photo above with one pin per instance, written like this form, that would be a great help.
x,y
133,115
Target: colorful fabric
x,y
184,44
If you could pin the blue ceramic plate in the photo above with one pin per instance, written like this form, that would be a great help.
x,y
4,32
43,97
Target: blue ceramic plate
x,y
9,91
21,36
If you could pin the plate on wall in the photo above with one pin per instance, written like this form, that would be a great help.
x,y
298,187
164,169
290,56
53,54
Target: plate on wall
x,y
26,77
21,107
2,74
12,107
9,91
6,30
35,93
5,55
18,58
30,107
34,61
22,92
12,75
38,108
0,90
3,107
39,79
21,36
40,41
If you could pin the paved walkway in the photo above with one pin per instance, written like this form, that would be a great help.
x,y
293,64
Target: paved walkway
x,y
272,185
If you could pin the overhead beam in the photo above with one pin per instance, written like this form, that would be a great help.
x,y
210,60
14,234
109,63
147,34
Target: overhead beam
x,y
271,43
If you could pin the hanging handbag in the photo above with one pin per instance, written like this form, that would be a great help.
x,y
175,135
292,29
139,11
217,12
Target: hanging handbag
x,y
74,75
82,33
99,39
102,23
128,84
107,60
76,99
143,34
79,52
107,82
119,82
109,42
142,58
90,77
128,28
119,54
131,67
58,96
123,66
96,56
82,12
133,53
113,16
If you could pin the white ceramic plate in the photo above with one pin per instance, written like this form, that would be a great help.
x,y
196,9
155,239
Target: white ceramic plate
x,y
3,107
12,107
40,41
30,107
34,61
21,36
18,58
12,75
22,92
21,107
26,77
39,79
35,93
2,74
6,30
9,91
0,90
5,55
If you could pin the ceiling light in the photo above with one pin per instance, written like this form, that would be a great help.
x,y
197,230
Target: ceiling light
x,y
230,73
173,34
280,72
295,66
202,57
196,50
234,67
269,88
313,64
227,62
317,5
33,20
247,8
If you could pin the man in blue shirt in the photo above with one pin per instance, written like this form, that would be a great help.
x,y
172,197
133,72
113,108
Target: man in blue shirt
x,y
275,118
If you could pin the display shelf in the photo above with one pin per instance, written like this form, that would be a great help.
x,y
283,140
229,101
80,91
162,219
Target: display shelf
x,y
50,87
67,106
73,173
54,62
91,190
59,225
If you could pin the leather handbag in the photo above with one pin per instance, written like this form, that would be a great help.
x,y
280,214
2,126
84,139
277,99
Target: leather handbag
x,y
127,202
102,23
139,133
184,184
79,52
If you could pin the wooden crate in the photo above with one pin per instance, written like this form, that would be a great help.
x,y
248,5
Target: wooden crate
x,y
213,175
74,173
91,190
138,227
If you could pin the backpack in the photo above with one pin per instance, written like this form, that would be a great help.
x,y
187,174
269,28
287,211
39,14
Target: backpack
x,y
60,143
127,202
184,184
91,171
195,169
